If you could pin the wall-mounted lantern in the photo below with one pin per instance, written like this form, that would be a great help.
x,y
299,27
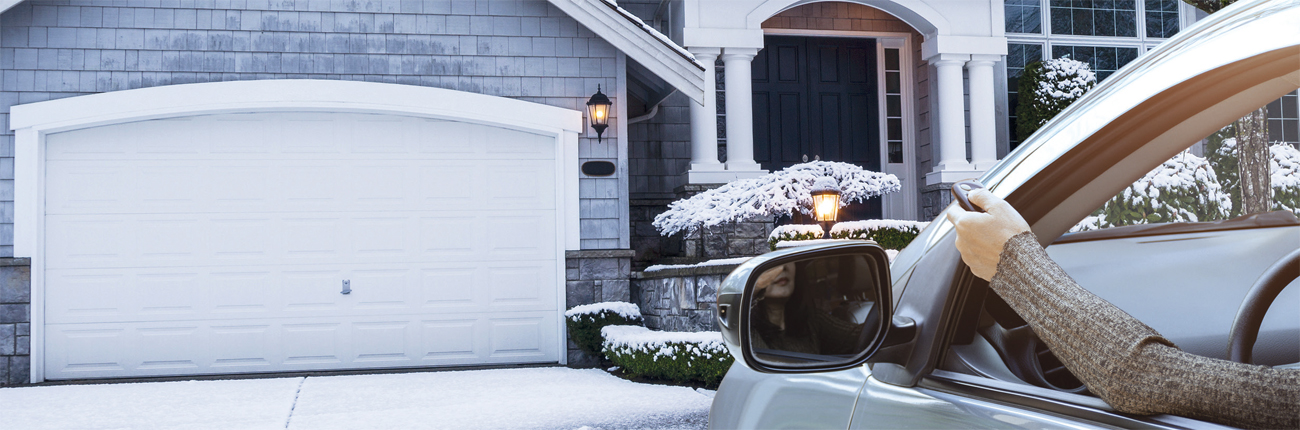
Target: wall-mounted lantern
x,y
826,202
598,112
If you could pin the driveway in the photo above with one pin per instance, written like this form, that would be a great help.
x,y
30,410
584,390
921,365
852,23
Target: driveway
x,y
531,398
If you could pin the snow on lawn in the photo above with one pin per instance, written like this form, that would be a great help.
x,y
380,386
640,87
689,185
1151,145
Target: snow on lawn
x,y
534,398
241,404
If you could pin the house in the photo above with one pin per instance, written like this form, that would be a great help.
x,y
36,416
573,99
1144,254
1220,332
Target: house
x,y
198,187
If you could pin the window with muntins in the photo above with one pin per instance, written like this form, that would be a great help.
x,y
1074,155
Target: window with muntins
x,y
1094,17
1284,120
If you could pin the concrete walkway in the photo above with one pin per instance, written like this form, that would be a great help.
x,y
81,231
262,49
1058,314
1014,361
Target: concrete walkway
x,y
532,398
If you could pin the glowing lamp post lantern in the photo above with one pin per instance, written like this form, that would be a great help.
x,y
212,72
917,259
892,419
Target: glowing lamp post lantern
x,y
598,112
826,203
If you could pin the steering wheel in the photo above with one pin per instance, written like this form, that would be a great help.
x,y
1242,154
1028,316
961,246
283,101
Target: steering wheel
x,y
1250,316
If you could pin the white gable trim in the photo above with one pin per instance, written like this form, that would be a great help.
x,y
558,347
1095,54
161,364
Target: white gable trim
x,y
623,30
33,122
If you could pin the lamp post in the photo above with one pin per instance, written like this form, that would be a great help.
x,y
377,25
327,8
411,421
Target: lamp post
x,y
598,112
826,203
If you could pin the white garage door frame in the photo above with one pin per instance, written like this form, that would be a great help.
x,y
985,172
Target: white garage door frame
x,y
33,122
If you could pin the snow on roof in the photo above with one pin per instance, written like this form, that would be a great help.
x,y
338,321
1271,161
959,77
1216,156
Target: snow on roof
x,y
716,262
651,30
625,309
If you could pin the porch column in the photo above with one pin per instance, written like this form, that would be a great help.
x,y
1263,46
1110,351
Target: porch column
x,y
740,108
983,135
704,117
952,115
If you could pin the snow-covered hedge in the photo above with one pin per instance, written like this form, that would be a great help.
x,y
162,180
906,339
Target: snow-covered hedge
x,y
790,232
1182,189
1047,88
889,233
675,356
777,193
586,321
1284,174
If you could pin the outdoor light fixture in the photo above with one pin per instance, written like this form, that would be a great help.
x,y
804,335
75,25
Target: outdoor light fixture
x,y
598,112
826,202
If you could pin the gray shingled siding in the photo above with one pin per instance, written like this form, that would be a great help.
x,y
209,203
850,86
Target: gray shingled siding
x,y
526,50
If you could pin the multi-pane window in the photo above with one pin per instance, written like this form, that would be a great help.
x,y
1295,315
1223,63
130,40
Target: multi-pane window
x,y
1094,17
1284,120
1019,55
1106,34
893,106
1024,16
1162,18
1103,59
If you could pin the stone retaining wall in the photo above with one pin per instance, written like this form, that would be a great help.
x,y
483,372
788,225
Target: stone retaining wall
x,y
679,299
15,321
592,276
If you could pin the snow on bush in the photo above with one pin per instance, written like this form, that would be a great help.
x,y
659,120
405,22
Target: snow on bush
x,y
586,321
714,262
1182,189
1049,87
790,232
680,357
777,193
889,233
1284,173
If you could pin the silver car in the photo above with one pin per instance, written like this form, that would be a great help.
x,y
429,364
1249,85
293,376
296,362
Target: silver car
x,y
922,343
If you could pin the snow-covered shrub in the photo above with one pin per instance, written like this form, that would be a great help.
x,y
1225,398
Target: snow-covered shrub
x,y
586,321
680,357
1182,189
777,193
794,232
1284,174
1047,88
890,234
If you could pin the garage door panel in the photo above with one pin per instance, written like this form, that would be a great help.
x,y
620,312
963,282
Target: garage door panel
x,y
220,244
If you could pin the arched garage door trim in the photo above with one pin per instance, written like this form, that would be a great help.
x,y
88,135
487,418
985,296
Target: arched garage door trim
x,y
33,122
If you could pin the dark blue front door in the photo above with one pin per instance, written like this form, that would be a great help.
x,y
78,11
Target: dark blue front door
x,y
816,96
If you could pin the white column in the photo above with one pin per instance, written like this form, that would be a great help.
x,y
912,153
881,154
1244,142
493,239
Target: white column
x,y
952,116
983,134
704,117
740,109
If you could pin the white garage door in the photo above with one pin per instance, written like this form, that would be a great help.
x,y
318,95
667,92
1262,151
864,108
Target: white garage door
x,y
222,244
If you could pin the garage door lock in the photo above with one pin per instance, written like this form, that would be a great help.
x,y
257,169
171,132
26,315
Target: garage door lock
x,y
347,286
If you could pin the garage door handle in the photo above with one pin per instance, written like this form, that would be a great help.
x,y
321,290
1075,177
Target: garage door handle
x,y
347,286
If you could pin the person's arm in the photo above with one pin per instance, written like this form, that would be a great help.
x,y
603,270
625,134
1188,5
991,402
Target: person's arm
x,y
1128,364
1123,361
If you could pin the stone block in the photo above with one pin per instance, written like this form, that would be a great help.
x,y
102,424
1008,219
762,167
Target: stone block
x,y
706,289
7,339
739,247
684,293
751,230
598,268
15,284
23,329
579,293
19,370
653,322
615,291
14,314
571,275
4,371
23,345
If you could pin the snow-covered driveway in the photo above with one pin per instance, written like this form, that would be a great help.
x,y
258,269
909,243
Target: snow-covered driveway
x,y
531,398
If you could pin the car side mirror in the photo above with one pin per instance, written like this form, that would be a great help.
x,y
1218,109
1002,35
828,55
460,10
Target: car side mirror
x,y
809,309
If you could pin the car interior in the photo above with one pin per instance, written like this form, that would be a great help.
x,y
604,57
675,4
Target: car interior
x,y
1184,279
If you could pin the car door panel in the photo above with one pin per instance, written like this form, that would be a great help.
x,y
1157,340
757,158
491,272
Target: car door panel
x,y
751,400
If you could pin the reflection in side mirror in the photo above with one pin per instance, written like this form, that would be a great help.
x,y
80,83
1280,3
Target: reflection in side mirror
x,y
821,312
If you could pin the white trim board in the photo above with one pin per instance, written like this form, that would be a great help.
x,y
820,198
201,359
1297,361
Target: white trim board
x,y
33,122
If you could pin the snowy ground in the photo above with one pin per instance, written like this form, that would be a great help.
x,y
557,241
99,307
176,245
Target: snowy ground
x,y
533,398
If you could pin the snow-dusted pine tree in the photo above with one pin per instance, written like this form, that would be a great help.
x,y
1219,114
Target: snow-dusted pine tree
x,y
1284,174
777,193
1182,189
1047,88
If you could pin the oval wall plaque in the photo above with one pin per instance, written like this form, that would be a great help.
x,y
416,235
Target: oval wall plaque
x,y
598,168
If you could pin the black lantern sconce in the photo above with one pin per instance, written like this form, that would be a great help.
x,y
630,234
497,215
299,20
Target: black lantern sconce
x,y
598,112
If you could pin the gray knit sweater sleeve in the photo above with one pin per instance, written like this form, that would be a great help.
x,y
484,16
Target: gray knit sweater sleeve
x,y
1127,363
